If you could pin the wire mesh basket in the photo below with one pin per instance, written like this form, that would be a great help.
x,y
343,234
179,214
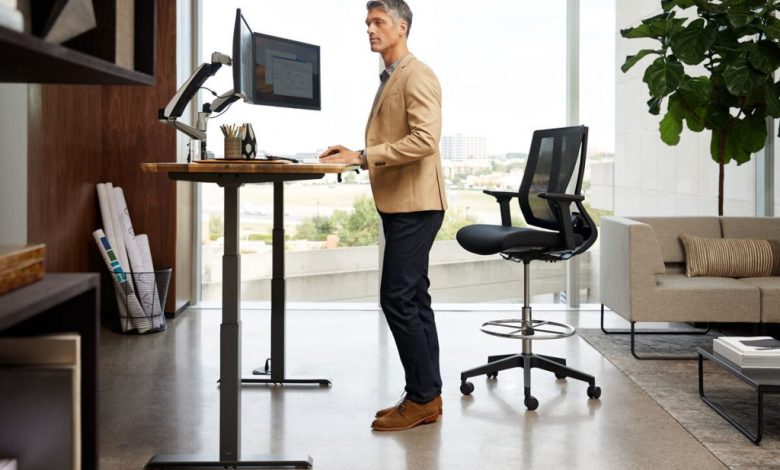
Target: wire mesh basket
x,y
141,300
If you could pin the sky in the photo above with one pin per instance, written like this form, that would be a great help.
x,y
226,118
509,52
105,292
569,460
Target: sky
x,y
501,65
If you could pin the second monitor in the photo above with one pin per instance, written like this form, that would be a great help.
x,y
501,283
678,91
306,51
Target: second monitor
x,y
274,71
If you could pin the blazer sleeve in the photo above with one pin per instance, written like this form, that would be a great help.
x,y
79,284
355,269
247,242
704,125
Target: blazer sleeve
x,y
422,98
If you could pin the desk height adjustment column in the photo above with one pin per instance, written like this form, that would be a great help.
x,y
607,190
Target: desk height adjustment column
x,y
274,366
230,332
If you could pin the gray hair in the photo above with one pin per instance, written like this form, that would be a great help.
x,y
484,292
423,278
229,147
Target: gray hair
x,y
396,8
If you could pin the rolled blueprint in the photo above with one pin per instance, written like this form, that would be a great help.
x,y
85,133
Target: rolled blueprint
x,y
158,319
108,221
119,247
130,312
143,276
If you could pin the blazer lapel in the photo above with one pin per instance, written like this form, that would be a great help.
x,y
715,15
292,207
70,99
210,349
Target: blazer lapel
x,y
391,84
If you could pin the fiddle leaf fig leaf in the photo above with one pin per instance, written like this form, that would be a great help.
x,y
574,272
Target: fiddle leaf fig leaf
x,y
663,76
696,91
772,29
691,43
641,31
740,15
738,79
671,124
682,4
654,106
750,135
772,99
718,144
633,59
764,56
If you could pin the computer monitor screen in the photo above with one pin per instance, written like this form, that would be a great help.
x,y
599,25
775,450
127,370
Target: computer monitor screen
x,y
282,72
243,59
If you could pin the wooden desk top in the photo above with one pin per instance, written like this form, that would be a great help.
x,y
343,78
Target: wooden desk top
x,y
248,166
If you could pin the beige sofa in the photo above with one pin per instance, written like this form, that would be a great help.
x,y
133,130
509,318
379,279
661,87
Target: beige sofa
x,y
642,272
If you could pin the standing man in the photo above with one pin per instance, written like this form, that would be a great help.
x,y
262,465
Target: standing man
x,y
402,156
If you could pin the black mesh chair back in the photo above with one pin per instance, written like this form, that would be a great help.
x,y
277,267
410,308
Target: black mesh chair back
x,y
552,160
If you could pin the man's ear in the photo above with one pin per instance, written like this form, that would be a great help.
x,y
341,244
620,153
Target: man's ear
x,y
404,27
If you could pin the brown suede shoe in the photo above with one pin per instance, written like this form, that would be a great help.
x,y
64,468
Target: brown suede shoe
x,y
409,414
385,411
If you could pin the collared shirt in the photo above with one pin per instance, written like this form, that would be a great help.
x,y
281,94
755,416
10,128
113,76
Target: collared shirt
x,y
383,78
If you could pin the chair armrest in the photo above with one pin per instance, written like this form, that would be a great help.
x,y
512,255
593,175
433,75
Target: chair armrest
x,y
503,198
562,197
563,203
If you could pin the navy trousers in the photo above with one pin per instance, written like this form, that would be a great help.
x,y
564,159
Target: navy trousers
x,y
405,300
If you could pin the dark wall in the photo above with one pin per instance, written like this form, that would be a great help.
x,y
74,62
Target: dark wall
x,y
81,135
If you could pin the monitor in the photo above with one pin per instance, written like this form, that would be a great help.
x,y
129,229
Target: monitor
x,y
274,71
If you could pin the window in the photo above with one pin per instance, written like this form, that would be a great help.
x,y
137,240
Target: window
x,y
502,68
597,111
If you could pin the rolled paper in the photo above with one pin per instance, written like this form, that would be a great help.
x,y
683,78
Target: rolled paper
x,y
143,282
129,306
119,242
158,319
105,213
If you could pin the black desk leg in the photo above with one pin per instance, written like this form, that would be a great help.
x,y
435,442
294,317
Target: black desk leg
x,y
229,367
754,438
278,299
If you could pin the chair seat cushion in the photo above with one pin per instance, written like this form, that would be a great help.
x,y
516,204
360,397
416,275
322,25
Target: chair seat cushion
x,y
484,239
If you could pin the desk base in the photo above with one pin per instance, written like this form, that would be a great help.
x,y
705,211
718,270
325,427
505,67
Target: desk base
x,y
270,381
204,462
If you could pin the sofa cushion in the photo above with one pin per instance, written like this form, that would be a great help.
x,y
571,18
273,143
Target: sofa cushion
x,y
770,297
679,298
730,257
668,230
767,228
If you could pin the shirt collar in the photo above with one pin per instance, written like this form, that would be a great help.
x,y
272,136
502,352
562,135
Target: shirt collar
x,y
389,70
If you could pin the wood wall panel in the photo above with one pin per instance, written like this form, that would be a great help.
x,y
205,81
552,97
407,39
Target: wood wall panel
x,y
83,135
132,135
64,164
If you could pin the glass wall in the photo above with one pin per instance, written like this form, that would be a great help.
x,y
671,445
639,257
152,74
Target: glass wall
x,y
502,67
597,111
327,258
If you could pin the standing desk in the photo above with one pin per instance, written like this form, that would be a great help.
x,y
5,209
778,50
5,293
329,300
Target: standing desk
x,y
231,176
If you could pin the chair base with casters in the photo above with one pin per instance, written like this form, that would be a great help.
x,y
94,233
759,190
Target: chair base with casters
x,y
527,330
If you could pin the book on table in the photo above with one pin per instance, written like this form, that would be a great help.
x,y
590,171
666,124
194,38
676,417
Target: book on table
x,y
760,352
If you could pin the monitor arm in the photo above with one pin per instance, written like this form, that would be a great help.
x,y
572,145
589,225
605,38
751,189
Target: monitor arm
x,y
173,111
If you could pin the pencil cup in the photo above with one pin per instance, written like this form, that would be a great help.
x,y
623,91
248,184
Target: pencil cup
x,y
232,148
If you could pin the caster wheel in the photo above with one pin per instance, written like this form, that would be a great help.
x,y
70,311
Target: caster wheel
x,y
531,403
594,392
466,388
560,376
493,375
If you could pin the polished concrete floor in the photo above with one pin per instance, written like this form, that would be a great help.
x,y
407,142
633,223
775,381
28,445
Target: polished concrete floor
x,y
158,395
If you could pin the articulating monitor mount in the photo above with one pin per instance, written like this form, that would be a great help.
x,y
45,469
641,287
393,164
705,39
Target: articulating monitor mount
x,y
171,113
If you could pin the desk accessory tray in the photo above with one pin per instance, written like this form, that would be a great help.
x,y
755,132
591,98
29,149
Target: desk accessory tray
x,y
20,265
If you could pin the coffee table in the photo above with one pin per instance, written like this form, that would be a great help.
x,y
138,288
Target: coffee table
x,y
763,381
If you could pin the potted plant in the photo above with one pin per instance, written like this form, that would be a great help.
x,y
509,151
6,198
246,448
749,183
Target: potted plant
x,y
735,44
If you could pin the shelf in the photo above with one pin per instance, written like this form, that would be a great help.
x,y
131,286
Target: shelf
x,y
33,60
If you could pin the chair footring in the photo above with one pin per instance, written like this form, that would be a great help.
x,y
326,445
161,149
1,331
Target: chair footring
x,y
527,329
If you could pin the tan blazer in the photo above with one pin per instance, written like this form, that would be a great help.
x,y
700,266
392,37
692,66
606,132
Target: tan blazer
x,y
402,141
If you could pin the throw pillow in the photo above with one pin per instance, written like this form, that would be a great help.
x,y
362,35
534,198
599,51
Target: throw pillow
x,y
730,257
